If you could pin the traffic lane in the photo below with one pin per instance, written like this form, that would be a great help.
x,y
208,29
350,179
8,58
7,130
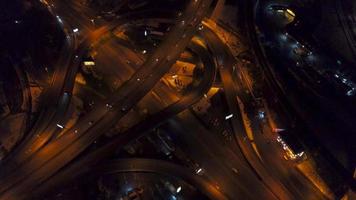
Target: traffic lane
x,y
250,25
44,120
276,173
182,103
183,30
176,33
217,159
52,92
63,80
226,67
124,58
309,119
78,15
40,136
272,154
45,154
134,98
163,168
93,36
139,129
54,162
273,158
290,178
31,175
47,127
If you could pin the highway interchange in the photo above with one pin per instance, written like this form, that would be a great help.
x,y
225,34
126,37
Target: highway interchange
x,y
236,170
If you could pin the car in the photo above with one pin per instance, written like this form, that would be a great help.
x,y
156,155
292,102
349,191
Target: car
x,y
277,8
123,109
200,27
261,114
301,51
60,126
166,141
235,170
109,106
199,171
